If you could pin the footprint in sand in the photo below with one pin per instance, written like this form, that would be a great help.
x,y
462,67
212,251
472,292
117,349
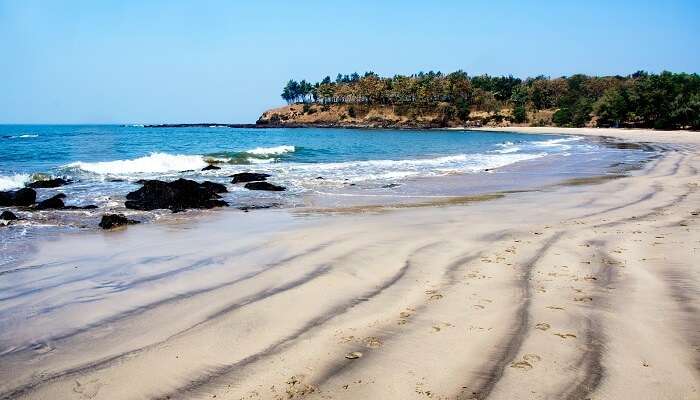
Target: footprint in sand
x,y
527,362
566,335
405,315
555,308
584,299
522,364
42,348
87,390
372,342
347,339
353,355
296,387
438,327
543,326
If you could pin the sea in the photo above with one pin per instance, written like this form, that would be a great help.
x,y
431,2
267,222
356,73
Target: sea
x,y
316,166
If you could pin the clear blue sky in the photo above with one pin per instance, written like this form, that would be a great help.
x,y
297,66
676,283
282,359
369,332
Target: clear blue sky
x,y
226,61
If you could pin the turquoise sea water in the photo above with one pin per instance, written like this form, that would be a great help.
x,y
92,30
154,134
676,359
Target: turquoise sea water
x,y
105,162
98,154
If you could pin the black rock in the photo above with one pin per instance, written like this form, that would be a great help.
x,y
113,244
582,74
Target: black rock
x,y
248,177
88,207
214,187
176,196
258,207
110,221
8,216
54,203
49,183
21,198
264,186
210,167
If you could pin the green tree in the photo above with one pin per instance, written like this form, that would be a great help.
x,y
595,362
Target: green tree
x,y
612,108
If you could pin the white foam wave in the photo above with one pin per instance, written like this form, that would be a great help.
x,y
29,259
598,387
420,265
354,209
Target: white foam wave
x,y
373,170
263,151
14,181
153,163
253,160
561,143
507,148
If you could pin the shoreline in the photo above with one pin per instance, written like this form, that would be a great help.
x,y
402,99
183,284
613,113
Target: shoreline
x,y
637,135
482,300
622,133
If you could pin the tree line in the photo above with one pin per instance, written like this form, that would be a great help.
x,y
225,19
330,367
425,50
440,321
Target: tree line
x,y
663,101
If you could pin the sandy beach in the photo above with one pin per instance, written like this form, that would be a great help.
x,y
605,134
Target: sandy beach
x,y
585,290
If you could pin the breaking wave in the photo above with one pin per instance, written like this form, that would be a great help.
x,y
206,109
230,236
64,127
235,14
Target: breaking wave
x,y
372,170
262,151
153,163
14,181
557,145
22,136
258,155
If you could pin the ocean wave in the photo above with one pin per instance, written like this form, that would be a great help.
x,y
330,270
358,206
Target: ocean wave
x,y
258,155
15,181
507,148
374,170
153,163
562,143
22,136
263,151
551,145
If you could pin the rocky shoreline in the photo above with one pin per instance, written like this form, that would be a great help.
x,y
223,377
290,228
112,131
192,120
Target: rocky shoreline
x,y
177,196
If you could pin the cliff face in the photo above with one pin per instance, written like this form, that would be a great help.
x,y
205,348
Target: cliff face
x,y
363,116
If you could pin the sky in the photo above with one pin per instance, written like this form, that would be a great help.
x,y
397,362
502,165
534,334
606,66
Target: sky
x,y
174,61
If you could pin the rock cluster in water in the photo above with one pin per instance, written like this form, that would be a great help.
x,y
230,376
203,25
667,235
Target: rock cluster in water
x,y
52,203
256,181
24,197
49,183
176,196
244,177
111,221
8,216
264,186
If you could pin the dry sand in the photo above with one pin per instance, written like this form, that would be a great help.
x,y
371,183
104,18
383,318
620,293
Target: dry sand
x,y
574,292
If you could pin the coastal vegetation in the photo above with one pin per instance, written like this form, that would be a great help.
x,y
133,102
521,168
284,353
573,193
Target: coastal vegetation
x,y
642,100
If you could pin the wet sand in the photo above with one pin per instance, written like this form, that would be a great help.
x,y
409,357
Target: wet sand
x,y
586,290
